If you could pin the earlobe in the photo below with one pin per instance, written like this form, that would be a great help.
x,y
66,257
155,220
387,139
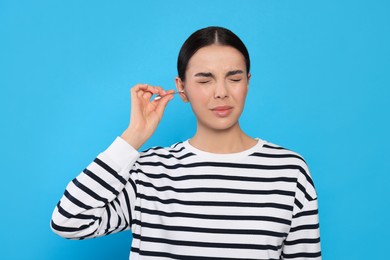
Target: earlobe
x,y
180,88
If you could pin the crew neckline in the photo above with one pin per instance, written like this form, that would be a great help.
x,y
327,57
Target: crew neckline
x,y
225,156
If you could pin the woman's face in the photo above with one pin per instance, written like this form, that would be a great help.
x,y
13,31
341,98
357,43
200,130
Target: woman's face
x,y
216,86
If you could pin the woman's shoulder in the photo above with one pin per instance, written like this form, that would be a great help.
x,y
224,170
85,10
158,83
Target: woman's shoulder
x,y
272,150
291,159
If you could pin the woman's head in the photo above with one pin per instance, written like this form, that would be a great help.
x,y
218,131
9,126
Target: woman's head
x,y
206,37
213,77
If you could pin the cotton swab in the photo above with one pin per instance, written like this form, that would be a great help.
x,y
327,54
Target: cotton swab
x,y
176,92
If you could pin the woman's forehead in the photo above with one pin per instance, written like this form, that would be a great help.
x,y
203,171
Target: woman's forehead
x,y
216,57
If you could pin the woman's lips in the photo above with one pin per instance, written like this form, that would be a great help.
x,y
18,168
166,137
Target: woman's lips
x,y
222,111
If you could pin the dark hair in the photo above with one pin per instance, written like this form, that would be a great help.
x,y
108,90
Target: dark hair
x,y
205,37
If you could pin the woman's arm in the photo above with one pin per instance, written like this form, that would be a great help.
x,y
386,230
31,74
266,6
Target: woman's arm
x,y
100,200
303,240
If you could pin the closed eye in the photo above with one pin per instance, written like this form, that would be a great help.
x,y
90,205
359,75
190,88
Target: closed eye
x,y
235,80
203,81
204,77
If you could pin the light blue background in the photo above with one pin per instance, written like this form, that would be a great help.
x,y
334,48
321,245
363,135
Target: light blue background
x,y
320,86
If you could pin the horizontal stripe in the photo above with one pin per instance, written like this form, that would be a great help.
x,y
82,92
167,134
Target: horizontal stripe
x,y
216,190
211,230
224,165
230,165
89,191
206,244
174,149
110,170
302,255
167,156
155,148
100,181
189,257
76,201
306,213
270,155
302,241
69,229
304,227
217,203
274,147
214,217
66,214
218,177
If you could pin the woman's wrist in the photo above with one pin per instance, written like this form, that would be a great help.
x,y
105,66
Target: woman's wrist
x,y
134,138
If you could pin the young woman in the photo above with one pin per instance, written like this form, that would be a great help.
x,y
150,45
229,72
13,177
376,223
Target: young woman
x,y
219,195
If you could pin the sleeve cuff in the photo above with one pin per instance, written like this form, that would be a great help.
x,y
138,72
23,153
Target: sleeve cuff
x,y
121,153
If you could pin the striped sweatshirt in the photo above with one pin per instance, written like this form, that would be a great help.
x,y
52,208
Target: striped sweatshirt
x,y
184,203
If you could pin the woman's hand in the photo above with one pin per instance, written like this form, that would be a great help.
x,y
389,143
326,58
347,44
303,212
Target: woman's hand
x,y
145,113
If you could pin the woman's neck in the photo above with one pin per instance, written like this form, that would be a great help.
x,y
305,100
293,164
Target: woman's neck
x,y
231,140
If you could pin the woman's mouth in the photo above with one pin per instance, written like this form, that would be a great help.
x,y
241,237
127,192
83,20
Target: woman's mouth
x,y
222,111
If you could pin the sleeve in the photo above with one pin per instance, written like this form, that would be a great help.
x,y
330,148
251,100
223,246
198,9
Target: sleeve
x,y
100,200
303,240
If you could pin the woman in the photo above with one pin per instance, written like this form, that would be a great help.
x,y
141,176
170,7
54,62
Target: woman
x,y
219,195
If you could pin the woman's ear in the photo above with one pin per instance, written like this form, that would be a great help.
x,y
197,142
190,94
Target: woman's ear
x,y
249,77
180,88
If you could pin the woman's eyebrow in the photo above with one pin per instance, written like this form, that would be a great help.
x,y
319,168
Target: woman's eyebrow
x,y
234,72
204,74
209,74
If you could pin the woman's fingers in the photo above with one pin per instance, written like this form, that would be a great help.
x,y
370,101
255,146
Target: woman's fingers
x,y
162,102
145,113
141,95
146,91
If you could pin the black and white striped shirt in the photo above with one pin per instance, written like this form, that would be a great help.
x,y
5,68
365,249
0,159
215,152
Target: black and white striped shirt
x,y
183,203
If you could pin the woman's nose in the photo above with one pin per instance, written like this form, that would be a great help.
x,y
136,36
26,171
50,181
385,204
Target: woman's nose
x,y
220,91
